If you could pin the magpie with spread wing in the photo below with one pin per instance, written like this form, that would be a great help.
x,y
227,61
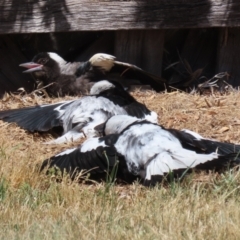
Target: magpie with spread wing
x,y
78,118
144,150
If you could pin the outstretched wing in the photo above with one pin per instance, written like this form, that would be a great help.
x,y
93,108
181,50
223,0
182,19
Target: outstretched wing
x,y
96,155
98,161
130,71
38,118
104,66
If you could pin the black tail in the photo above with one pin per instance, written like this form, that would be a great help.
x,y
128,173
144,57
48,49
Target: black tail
x,y
222,163
207,146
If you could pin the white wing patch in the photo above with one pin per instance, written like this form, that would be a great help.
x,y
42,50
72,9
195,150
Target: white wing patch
x,y
165,162
92,144
66,152
87,109
57,58
194,134
100,87
153,117
102,60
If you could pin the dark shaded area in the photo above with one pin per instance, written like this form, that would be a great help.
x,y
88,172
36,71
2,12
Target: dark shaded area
x,y
182,45
233,8
143,48
192,55
11,77
19,9
228,59
69,45
61,8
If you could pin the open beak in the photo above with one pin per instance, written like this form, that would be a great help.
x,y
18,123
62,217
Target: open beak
x,y
31,66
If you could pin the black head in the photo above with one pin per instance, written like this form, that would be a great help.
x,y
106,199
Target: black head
x,y
45,66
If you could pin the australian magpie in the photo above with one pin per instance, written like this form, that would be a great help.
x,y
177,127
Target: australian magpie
x,y
145,150
74,78
79,117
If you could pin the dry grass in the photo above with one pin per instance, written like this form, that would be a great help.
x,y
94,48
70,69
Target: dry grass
x,y
204,206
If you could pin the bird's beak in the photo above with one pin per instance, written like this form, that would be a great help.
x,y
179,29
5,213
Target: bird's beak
x,y
31,66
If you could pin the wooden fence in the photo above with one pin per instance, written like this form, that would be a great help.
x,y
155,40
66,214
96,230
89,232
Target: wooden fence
x,y
202,36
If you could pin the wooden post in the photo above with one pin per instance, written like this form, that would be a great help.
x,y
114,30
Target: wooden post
x,y
143,48
228,59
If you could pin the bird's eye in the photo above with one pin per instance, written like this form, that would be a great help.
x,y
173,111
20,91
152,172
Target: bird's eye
x,y
42,61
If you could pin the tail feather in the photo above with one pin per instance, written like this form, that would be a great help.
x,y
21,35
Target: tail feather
x,y
222,162
224,148
199,144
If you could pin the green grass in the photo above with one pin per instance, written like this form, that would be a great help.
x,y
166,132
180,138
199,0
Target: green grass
x,y
67,210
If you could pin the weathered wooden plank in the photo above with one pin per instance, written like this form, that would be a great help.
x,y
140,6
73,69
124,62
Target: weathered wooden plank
x,y
74,15
228,59
142,48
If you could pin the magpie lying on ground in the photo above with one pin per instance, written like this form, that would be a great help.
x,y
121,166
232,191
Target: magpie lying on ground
x,y
74,78
144,150
79,117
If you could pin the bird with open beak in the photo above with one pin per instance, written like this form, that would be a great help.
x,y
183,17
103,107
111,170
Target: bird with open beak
x,y
74,78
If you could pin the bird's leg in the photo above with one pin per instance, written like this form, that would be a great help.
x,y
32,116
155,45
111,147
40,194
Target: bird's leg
x,y
70,136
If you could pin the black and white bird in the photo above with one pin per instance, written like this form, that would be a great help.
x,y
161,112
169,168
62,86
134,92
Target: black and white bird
x,y
79,117
144,150
74,78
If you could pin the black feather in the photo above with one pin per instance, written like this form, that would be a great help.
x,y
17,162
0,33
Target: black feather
x,y
122,98
97,161
37,118
206,146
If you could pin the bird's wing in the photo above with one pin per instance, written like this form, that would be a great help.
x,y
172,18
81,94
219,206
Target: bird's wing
x,y
37,118
103,61
94,156
104,64
140,111
130,71
90,109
